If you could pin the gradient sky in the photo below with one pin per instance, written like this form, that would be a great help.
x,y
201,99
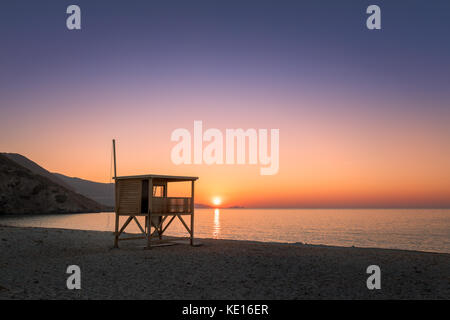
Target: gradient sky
x,y
363,115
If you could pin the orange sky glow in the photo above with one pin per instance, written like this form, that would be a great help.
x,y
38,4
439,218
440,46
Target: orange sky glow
x,y
338,160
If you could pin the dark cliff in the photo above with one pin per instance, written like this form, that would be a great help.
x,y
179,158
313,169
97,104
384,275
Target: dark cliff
x,y
24,192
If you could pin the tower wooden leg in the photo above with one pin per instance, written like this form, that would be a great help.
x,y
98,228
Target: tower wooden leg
x,y
149,230
116,234
192,229
192,213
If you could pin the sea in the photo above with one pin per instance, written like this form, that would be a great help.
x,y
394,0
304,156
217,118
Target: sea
x,y
410,229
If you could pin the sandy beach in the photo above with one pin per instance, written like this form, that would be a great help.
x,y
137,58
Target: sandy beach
x,y
33,264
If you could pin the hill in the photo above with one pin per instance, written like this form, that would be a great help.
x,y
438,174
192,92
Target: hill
x,y
101,192
34,167
24,192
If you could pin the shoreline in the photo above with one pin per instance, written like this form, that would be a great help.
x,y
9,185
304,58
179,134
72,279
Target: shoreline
x,y
34,261
297,243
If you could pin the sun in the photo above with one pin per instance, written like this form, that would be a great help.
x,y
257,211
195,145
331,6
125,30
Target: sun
x,y
217,201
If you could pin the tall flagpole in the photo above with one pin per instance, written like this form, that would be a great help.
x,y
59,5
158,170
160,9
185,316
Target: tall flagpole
x,y
114,152
116,228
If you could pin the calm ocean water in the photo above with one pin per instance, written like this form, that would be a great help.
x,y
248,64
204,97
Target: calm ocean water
x,y
418,229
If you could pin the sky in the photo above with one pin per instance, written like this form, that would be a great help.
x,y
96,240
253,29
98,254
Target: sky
x,y
363,114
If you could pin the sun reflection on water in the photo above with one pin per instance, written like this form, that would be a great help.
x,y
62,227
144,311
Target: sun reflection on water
x,y
216,227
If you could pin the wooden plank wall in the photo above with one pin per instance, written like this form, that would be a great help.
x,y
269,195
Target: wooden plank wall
x,y
129,194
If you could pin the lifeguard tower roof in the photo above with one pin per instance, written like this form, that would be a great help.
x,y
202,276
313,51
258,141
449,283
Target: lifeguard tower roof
x,y
158,176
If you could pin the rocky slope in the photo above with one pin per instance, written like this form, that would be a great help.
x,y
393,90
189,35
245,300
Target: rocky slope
x,y
24,192
35,168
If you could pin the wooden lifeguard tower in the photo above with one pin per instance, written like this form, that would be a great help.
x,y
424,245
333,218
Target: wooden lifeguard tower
x,y
146,196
